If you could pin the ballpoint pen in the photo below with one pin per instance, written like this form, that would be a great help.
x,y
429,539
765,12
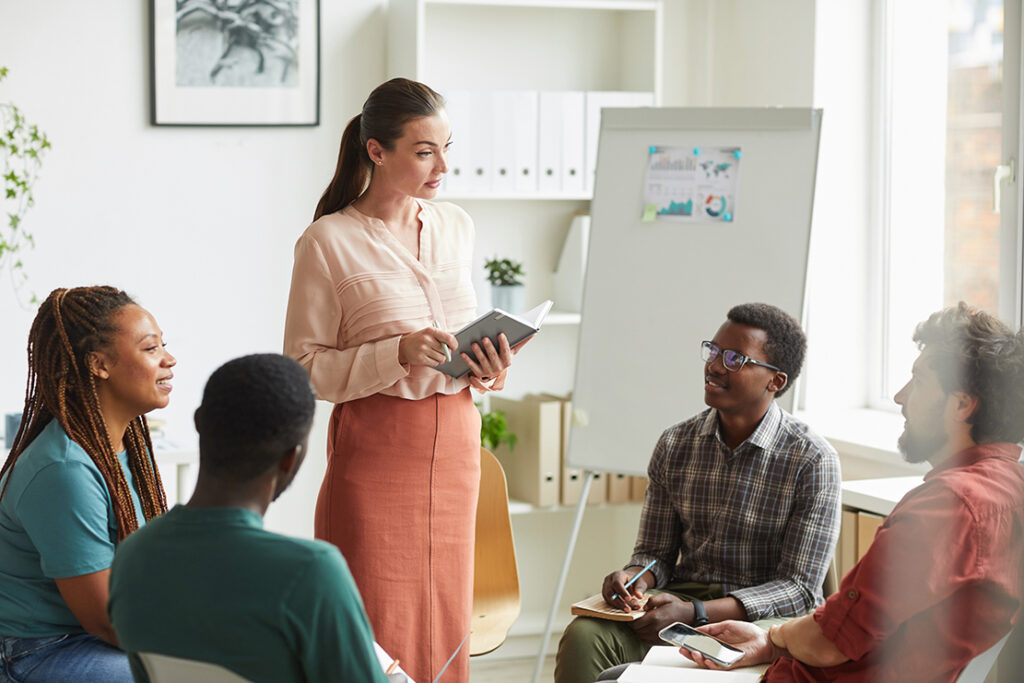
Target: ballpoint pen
x,y
447,351
638,575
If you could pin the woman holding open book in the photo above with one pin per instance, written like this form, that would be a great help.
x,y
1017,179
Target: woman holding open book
x,y
380,280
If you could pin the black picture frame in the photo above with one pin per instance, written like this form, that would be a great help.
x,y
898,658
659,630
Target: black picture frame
x,y
235,62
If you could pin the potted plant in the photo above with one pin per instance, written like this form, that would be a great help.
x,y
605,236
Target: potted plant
x,y
22,146
507,290
494,430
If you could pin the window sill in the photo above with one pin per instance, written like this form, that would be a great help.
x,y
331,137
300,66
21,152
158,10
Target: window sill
x,y
863,433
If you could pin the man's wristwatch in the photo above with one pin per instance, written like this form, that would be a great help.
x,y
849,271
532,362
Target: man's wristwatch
x,y
700,615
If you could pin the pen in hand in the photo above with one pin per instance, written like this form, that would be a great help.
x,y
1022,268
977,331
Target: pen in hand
x,y
634,579
447,351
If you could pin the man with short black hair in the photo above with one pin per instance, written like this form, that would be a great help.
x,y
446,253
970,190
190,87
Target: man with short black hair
x,y
942,580
205,582
741,513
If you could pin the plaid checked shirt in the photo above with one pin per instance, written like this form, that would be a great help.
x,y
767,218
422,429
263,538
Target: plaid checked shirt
x,y
762,520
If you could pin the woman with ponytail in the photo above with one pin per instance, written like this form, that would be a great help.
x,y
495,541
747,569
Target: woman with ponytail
x,y
79,478
381,279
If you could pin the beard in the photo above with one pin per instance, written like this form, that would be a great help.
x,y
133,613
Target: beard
x,y
919,447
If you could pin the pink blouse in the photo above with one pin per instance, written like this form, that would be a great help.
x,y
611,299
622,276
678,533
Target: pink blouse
x,y
355,290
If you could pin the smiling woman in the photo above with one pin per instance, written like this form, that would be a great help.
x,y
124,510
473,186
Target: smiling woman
x,y
80,477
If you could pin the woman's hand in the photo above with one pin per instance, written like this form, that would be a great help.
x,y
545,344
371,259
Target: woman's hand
x,y
492,363
425,347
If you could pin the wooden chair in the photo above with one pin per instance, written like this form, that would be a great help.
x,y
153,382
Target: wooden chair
x,y
495,575
165,669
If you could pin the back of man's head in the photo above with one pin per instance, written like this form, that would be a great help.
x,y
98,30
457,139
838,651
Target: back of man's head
x,y
976,353
786,343
255,409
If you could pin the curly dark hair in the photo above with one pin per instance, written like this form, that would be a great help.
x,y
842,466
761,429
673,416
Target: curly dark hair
x,y
976,353
254,410
786,344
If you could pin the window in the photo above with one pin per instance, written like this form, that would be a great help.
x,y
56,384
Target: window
x,y
948,118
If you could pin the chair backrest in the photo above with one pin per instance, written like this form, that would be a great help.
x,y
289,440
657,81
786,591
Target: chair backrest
x,y
978,668
165,669
495,575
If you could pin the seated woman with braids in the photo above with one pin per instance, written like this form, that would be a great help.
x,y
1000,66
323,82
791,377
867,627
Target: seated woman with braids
x,y
80,477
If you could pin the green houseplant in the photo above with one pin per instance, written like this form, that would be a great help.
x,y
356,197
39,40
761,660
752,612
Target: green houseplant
x,y
494,430
22,146
507,290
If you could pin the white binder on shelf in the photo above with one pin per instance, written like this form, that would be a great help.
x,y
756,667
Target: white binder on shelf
x,y
480,166
458,104
503,143
525,122
549,142
573,140
595,101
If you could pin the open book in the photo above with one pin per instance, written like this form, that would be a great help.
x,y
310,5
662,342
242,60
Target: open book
x,y
490,325
595,606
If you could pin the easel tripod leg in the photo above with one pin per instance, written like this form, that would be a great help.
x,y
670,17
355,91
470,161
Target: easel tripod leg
x,y
581,506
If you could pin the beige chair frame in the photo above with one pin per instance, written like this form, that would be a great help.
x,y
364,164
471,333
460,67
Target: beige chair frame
x,y
496,602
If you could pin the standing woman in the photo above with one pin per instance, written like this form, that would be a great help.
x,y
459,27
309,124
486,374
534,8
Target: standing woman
x,y
379,278
79,478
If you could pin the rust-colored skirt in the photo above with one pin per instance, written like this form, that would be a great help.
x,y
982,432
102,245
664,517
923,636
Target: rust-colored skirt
x,y
399,501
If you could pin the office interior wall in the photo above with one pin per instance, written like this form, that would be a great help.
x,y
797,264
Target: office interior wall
x,y
199,223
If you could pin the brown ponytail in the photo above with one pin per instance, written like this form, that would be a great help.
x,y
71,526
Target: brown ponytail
x,y
386,111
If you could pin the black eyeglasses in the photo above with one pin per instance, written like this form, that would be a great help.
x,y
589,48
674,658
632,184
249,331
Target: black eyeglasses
x,y
733,361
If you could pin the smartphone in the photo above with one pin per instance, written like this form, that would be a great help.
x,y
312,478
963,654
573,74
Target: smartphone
x,y
681,635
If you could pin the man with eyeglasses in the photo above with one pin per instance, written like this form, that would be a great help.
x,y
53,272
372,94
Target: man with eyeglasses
x,y
943,580
741,514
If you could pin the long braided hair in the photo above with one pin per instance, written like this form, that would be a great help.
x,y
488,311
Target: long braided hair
x,y
71,324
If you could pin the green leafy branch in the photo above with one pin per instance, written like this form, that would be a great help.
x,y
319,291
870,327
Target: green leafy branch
x,y
504,272
494,430
22,147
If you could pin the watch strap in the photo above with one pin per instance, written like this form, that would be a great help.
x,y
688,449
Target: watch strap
x,y
700,615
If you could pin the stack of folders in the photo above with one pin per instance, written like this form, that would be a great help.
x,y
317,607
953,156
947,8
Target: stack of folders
x,y
536,469
528,142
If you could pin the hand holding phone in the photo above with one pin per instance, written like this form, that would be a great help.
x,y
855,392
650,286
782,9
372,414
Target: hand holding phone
x,y
681,635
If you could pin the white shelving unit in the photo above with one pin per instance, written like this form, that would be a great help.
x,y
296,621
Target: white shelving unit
x,y
527,44
483,46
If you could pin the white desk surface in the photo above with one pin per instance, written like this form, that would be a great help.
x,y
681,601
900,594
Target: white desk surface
x,y
878,495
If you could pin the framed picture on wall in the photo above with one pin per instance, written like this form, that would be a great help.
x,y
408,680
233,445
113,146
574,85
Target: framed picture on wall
x,y
235,62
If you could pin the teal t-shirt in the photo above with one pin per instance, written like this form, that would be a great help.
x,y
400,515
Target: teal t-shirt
x,y
210,584
56,521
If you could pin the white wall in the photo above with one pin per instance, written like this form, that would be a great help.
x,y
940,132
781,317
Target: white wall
x,y
197,223
738,53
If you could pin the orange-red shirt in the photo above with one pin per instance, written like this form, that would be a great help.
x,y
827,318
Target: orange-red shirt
x,y
941,583
356,290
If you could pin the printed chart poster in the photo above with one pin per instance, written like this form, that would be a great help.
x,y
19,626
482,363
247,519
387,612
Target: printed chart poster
x,y
692,183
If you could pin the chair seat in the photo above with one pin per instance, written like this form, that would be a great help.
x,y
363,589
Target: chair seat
x,y
166,669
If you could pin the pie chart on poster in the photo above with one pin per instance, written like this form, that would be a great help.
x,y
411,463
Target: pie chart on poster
x,y
714,205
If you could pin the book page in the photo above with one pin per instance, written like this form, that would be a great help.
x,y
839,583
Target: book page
x,y
535,316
